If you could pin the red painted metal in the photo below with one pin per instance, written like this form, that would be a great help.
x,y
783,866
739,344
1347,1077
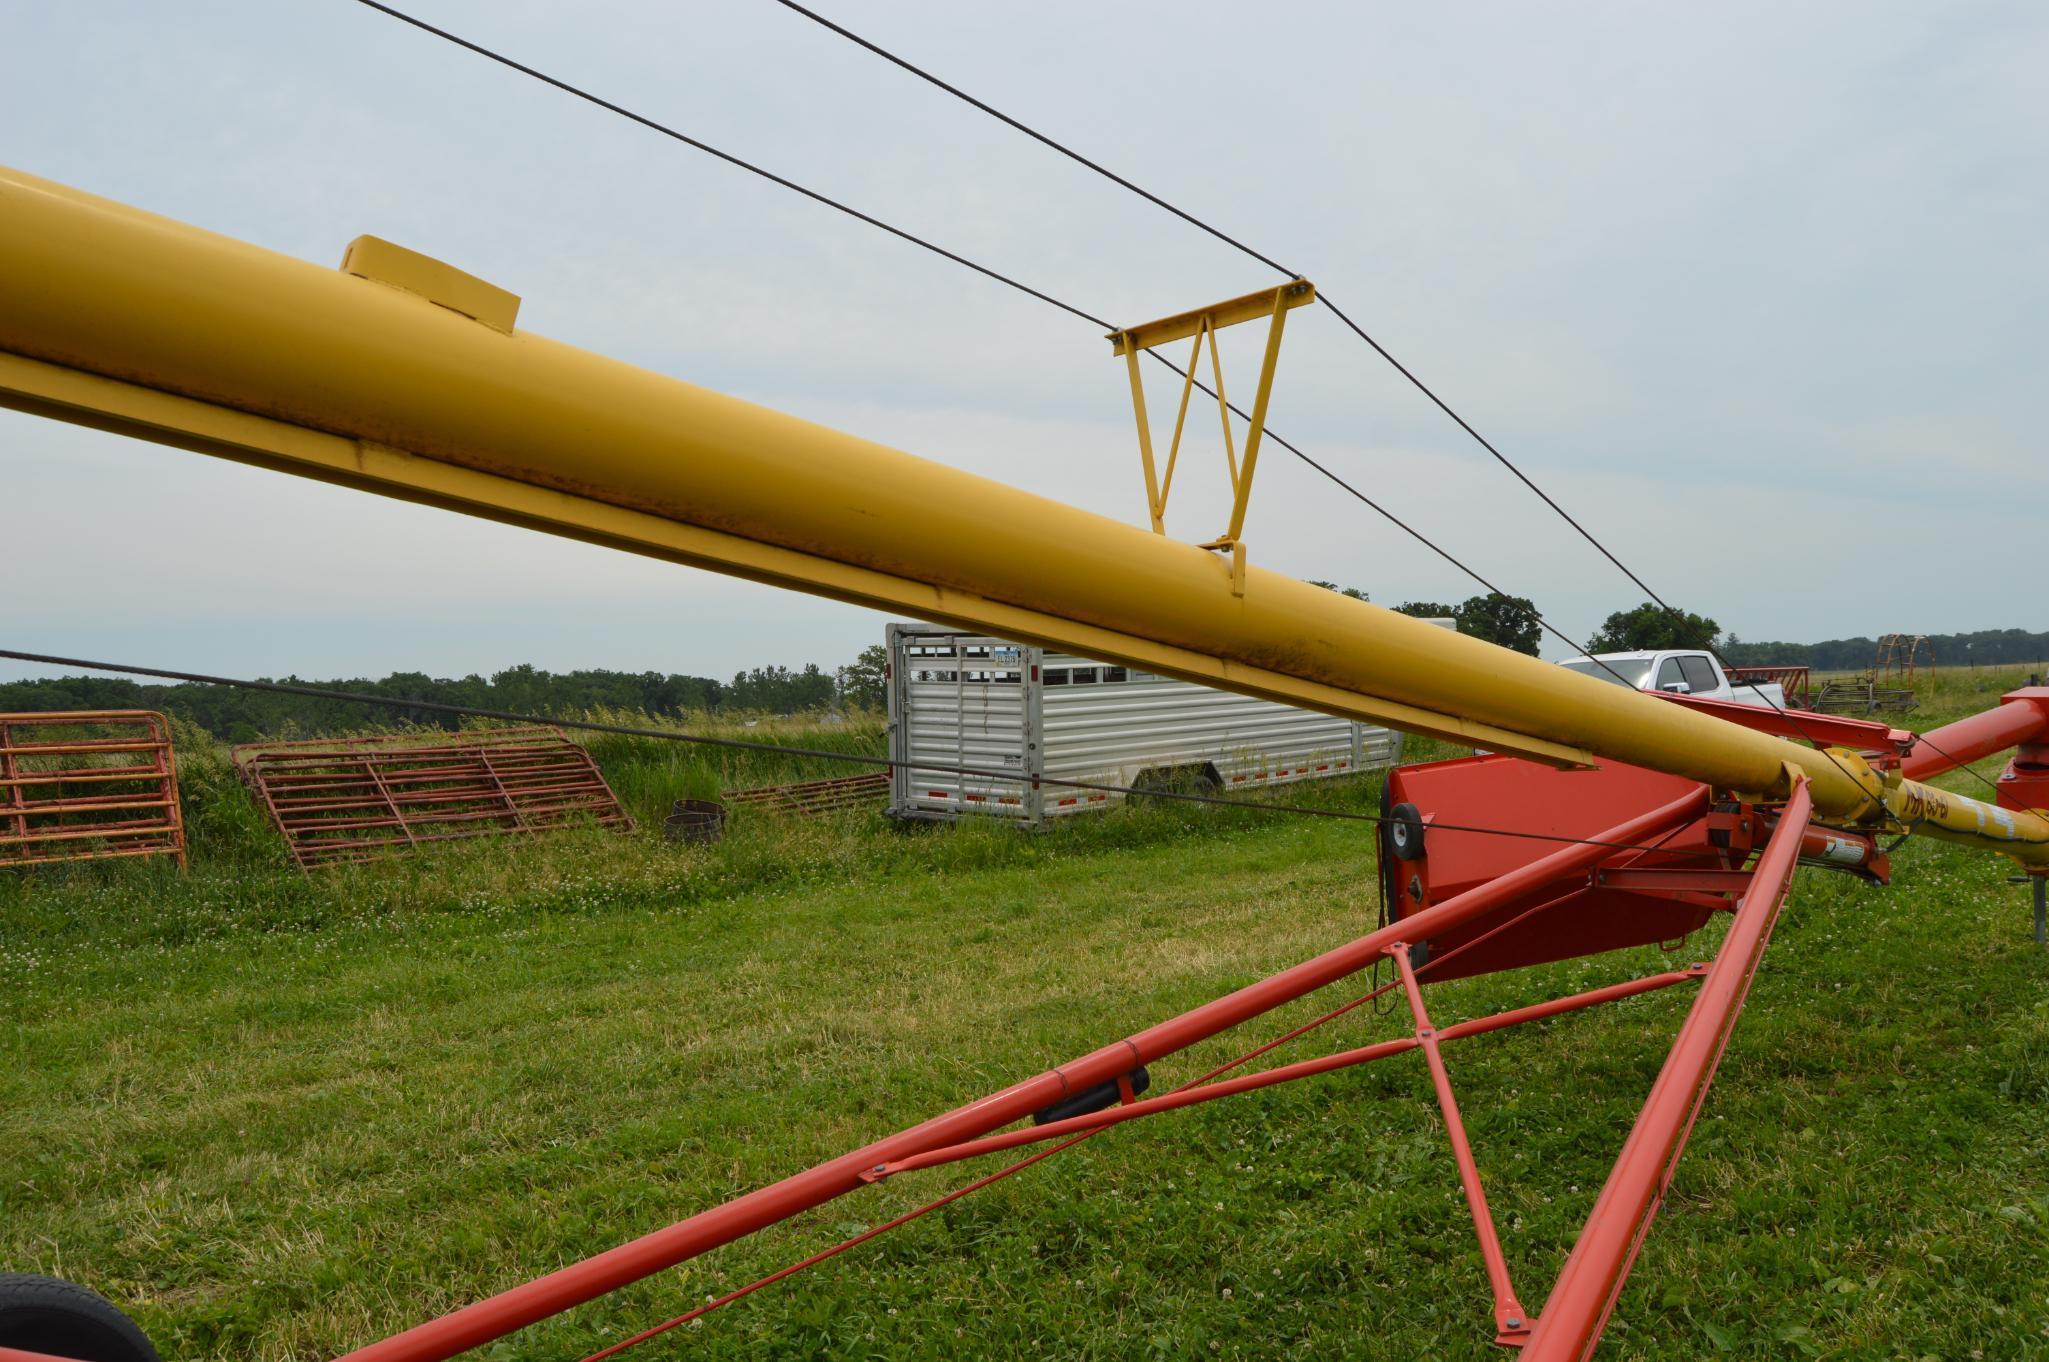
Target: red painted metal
x,y
1585,1293
2024,784
814,796
1509,1318
1553,1007
1266,1078
1822,730
353,799
1132,1111
1675,881
1797,682
438,1339
87,785
1507,792
1836,849
2021,716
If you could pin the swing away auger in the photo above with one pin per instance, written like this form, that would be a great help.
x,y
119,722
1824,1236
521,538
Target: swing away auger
x,y
402,376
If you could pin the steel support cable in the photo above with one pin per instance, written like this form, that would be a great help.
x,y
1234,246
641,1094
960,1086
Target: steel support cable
x,y
1397,522
1048,298
1786,712
1336,311
780,749
726,156
1955,765
1264,259
983,270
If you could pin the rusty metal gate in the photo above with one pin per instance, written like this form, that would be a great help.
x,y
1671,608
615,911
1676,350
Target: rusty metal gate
x,y
353,799
813,796
87,785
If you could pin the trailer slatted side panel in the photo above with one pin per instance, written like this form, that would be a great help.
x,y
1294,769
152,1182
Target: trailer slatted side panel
x,y
1121,728
963,700
963,703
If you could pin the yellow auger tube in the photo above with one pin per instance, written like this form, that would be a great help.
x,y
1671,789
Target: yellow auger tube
x,y
117,318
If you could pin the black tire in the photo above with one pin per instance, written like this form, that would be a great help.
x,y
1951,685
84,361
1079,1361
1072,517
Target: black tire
x,y
1405,832
45,1315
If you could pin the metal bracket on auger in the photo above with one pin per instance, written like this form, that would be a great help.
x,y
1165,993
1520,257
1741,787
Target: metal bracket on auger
x,y
1203,324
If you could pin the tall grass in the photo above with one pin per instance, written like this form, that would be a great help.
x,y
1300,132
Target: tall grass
x,y
649,774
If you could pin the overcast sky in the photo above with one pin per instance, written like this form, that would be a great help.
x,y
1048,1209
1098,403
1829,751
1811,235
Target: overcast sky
x,y
1756,291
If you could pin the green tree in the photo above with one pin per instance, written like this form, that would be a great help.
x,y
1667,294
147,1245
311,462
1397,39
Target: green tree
x,y
1510,621
1650,627
860,682
779,690
244,715
1427,610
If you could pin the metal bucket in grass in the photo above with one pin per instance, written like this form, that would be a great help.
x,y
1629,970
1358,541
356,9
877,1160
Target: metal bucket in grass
x,y
695,820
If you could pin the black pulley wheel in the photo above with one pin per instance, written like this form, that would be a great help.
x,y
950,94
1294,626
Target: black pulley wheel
x,y
45,1315
1405,832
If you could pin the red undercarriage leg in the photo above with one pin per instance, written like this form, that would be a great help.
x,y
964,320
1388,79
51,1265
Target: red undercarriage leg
x,y
1585,1293
442,1338
1508,1312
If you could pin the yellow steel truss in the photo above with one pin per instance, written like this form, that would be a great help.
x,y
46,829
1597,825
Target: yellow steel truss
x,y
1203,324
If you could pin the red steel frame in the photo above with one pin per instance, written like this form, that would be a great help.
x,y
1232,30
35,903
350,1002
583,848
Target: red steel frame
x,y
1594,1273
1881,742
814,796
351,799
1796,681
1586,1290
94,785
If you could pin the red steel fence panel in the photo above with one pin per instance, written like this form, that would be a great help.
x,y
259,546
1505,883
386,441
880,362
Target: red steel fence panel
x,y
354,799
88,785
814,796
1797,682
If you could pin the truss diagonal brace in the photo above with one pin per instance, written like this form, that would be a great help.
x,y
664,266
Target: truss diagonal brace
x,y
1203,324
1509,1316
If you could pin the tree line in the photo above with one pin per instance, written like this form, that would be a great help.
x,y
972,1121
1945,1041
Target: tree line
x,y
237,715
1512,622
1984,648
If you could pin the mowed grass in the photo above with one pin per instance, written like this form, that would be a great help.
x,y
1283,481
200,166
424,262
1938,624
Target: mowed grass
x,y
278,1116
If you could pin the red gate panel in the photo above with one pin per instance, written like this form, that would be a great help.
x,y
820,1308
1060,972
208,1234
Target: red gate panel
x,y
813,796
353,799
87,785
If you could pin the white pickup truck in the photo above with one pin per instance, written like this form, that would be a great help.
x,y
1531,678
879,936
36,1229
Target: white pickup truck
x,y
1683,673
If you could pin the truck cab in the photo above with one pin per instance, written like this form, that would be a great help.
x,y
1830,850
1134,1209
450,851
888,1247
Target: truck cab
x,y
1680,672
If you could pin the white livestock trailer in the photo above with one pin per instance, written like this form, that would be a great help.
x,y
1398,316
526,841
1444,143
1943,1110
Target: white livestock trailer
x,y
1024,714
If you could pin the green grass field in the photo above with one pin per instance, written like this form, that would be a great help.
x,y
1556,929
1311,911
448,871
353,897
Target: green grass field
x,y
277,1115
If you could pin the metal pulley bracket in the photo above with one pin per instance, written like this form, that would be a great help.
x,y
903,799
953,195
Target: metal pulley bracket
x,y
1203,324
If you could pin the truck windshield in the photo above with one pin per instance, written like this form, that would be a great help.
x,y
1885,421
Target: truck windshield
x,y
1616,671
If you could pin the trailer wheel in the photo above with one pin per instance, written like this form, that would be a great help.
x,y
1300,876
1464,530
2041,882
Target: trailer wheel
x,y
1405,832
45,1315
